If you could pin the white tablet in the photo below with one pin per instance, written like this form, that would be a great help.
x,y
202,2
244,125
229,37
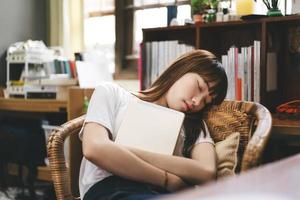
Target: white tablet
x,y
150,127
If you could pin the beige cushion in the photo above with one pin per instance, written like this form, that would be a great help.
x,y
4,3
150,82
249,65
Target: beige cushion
x,y
227,155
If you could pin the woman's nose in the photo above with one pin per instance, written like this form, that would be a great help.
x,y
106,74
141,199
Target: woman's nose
x,y
196,100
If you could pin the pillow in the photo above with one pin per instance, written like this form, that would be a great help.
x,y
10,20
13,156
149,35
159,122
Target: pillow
x,y
226,151
230,117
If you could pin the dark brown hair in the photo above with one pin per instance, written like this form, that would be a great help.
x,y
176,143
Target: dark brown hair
x,y
210,69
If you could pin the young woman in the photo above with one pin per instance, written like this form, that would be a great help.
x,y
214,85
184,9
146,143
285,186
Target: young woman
x,y
191,84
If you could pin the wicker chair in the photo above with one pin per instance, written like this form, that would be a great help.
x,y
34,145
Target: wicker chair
x,y
252,120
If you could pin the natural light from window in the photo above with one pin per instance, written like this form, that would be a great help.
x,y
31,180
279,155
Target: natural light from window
x,y
156,17
148,18
99,31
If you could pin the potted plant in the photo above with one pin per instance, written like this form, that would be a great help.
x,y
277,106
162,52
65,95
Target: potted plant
x,y
199,7
272,6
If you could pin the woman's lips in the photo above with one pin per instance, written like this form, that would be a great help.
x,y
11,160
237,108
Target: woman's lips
x,y
187,106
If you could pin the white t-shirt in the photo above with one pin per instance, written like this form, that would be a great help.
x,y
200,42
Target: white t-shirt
x,y
107,107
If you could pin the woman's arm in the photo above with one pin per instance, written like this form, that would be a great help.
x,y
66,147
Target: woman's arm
x,y
199,169
100,150
205,153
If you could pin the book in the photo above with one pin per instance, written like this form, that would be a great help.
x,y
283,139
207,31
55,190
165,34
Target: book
x,y
150,127
271,71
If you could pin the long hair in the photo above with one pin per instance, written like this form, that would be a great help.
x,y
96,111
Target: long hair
x,y
210,69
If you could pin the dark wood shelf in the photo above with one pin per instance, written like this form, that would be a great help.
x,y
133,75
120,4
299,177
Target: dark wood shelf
x,y
218,37
32,105
290,18
286,126
169,28
273,34
229,23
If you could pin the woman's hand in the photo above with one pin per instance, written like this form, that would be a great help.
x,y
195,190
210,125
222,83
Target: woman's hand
x,y
174,183
201,168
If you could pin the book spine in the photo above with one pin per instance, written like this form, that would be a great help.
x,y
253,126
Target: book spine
x,y
73,69
257,71
140,67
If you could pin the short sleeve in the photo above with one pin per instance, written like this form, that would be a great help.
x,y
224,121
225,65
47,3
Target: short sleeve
x,y
102,107
204,138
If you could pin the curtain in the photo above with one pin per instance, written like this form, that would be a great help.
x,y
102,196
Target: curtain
x,y
65,25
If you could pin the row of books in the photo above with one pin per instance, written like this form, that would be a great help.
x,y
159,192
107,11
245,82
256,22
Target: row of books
x,y
243,66
158,55
61,67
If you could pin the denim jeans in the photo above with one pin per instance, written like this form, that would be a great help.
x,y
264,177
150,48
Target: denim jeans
x,y
118,188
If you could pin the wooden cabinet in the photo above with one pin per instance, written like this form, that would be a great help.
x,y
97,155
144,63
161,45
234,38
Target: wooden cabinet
x,y
218,37
276,34
62,111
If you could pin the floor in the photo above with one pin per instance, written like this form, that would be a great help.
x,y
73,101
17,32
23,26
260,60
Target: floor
x,y
43,191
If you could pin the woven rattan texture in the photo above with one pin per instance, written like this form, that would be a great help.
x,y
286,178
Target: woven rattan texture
x,y
55,149
227,118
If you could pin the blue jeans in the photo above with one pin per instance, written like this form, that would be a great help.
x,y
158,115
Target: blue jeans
x,y
118,188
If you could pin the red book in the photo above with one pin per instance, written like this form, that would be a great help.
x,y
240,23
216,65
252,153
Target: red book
x,y
73,68
239,89
236,64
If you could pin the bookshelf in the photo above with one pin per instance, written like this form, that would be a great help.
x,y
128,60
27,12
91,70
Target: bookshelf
x,y
273,34
218,37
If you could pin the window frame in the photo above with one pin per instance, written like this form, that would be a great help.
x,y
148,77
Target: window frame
x,y
126,63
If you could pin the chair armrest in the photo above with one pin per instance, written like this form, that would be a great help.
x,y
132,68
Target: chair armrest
x,y
259,138
55,150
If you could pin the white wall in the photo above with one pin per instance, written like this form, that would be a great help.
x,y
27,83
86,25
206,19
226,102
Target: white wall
x,y
20,20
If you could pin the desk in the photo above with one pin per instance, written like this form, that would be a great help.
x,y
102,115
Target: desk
x,y
73,107
33,105
279,178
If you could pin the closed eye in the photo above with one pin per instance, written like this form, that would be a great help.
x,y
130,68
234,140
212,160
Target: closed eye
x,y
199,86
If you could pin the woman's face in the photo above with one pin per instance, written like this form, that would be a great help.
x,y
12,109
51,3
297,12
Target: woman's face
x,y
188,94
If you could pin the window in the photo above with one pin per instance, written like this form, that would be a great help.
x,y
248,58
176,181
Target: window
x,y
99,29
148,18
147,14
115,28
155,17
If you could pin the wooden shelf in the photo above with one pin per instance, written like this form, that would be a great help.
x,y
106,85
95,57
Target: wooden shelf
x,y
168,28
32,105
290,18
73,107
43,172
218,37
286,126
274,33
38,106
